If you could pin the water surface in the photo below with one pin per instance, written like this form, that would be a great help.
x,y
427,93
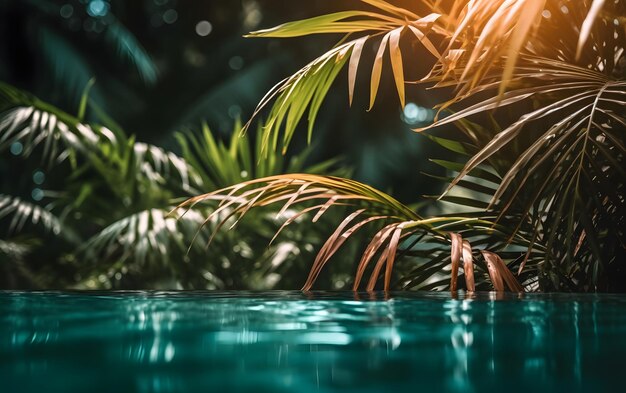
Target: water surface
x,y
309,342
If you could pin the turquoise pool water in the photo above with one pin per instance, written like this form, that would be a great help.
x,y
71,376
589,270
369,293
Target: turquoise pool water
x,y
314,342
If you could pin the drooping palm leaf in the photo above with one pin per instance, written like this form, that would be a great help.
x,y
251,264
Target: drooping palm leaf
x,y
128,48
33,128
34,123
298,189
480,34
18,213
37,124
573,159
308,87
315,194
149,236
489,35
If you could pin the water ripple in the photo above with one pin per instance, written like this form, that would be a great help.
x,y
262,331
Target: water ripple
x,y
315,341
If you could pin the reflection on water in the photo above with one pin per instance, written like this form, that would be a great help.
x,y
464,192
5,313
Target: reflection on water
x,y
290,341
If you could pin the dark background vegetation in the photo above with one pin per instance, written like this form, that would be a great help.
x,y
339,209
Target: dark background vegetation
x,y
156,72
215,78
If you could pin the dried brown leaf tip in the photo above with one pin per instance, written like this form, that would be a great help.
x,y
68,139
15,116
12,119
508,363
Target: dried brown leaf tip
x,y
500,273
461,248
388,238
334,242
455,256
468,267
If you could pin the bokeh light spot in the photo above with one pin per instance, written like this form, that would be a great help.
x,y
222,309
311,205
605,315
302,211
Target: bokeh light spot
x,y
234,111
204,28
410,111
170,16
39,177
37,194
97,8
66,11
414,114
16,148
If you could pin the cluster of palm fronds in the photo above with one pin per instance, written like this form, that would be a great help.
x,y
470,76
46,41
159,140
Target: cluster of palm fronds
x,y
544,83
105,217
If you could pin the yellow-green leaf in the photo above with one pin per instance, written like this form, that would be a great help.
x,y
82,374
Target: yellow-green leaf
x,y
355,57
377,70
396,62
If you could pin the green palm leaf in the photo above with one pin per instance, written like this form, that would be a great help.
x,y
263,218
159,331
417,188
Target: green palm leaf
x,y
308,87
19,213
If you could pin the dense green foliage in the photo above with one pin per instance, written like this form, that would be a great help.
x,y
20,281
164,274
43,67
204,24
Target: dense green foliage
x,y
542,120
530,129
128,69
107,222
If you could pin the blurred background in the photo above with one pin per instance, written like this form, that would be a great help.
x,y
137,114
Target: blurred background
x,y
155,67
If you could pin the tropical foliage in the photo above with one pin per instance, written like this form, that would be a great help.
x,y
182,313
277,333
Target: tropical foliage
x,y
531,113
537,95
104,218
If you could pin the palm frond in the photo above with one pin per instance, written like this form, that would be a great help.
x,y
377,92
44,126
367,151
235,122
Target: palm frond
x,y
242,158
147,237
585,30
120,160
34,123
490,34
129,165
33,128
481,35
308,87
305,89
567,177
491,30
340,22
18,213
298,189
128,48
315,194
